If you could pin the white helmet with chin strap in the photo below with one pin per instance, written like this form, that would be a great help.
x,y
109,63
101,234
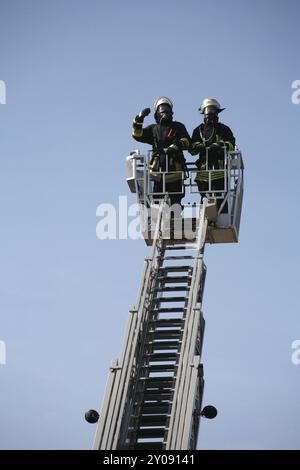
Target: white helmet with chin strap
x,y
162,100
210,102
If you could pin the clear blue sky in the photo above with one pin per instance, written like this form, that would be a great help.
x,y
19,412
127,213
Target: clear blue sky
x,y
76,73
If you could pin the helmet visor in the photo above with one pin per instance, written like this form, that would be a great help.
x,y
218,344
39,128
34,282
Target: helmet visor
x,y
211,110
164,108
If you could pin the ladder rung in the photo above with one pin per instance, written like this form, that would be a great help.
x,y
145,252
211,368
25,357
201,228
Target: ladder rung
x,y
169,310
161,356
161,397
160,345
158,381
149,402
159,367
153,420
179,269
170,299
157,394
163,386
171,289
179,257
171,322
148,445
150,432
161,393
165,334
173,279
149,409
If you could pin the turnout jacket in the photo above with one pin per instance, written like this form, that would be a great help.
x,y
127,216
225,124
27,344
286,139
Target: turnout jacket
x,y
161,136
207,135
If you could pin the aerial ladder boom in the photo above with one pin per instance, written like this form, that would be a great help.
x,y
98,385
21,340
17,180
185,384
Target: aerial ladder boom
x,y
154,391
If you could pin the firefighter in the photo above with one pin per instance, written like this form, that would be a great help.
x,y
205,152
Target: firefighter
x,y
168,139
210,139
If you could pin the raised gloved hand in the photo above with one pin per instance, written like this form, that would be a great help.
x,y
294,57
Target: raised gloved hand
x,y
140,117
145,113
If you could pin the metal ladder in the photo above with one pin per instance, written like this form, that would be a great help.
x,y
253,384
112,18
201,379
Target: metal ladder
x,y
154,391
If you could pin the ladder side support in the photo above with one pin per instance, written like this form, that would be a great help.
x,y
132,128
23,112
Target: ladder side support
x,y
117,375
109,429
192,327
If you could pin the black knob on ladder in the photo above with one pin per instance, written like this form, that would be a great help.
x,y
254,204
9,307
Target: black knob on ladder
x,y
209,412
92,416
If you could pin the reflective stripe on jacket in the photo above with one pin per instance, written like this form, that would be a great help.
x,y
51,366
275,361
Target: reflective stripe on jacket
x,y
177,170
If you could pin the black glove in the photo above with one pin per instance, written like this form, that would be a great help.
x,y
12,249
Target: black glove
x,y
200,149
216,147
199,163
145,113
172,150
140,117
213,156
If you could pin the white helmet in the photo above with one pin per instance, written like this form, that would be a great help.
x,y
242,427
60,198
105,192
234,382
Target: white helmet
x,y
162,100
210,102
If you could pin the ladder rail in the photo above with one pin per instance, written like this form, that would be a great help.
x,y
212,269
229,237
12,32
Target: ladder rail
x,y
144,298
110,420
194,403
117,376
188,346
